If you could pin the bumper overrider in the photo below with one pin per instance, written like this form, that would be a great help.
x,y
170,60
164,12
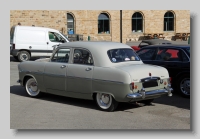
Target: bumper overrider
x,y
142,94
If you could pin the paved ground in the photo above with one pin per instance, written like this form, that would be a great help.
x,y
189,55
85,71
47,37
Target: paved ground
x,y
56,112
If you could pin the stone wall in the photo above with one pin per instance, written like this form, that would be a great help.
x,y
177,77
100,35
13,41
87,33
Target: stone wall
x,y
86,22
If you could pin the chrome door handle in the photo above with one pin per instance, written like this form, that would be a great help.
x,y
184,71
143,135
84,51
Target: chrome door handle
x,y
88,69
63,66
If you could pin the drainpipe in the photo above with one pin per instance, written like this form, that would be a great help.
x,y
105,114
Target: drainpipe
x,y
121,26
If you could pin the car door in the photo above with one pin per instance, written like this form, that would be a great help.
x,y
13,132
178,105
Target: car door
x,y
55,72
53,39
79,73
171,59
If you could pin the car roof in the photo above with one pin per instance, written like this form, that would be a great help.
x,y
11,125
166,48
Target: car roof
x,y
156,41
98,50
95,44
168,46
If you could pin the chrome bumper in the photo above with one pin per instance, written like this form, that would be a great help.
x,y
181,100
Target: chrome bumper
x,y
142,94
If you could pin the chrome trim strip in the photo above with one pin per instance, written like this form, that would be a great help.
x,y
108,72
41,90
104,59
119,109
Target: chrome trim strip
x,y
79,77
54,75
109,81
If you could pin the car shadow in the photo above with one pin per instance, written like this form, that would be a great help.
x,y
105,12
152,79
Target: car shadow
x,y
19,90
175,100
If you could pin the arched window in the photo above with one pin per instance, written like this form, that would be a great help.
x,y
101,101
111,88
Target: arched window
x,y
70,24
103,24
169,21
137,22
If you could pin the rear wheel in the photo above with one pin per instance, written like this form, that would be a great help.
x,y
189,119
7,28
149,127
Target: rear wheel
x,y
32,87
184,85
23,56
106,102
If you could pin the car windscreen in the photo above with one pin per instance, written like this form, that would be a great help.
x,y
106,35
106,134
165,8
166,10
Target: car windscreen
x,y
122,55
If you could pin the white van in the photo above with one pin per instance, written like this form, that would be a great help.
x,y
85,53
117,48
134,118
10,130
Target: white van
x,y
30,41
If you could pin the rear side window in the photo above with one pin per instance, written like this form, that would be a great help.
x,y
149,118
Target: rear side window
x,y
165,54
147,54
82,56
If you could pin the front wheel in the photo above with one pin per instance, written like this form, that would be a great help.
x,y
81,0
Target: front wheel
x,y
106,102
32,88
184,85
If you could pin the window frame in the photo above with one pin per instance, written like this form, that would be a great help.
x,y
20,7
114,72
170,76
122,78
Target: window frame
x,y
137,18
73,23
167,17
101,19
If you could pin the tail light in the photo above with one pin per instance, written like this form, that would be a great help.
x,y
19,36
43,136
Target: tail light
x,y
133,86
13,46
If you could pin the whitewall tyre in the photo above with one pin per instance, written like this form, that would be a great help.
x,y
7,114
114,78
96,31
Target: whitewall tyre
x,y
32,88
106,102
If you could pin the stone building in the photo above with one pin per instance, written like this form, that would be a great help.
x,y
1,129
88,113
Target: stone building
x,y
105,25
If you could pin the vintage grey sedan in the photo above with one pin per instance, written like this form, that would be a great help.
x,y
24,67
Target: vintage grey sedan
x,y
108,72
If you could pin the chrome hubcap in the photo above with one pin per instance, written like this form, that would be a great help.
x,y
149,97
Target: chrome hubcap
x,y
32,88
104,100
185,86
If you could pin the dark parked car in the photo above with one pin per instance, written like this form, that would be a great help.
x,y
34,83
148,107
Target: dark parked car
x,y
175,58
150,42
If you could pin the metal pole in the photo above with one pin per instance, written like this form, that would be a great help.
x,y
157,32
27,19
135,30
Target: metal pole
x,y
121,26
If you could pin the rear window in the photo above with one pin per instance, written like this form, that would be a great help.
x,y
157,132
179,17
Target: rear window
x,y
122,55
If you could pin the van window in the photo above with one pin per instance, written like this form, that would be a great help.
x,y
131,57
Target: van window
x,y
55,37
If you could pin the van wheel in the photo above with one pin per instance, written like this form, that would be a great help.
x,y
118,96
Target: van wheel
x,y
23,56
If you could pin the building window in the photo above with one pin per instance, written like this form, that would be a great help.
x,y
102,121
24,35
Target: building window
x,y
103,24
137,22
169,21
70,24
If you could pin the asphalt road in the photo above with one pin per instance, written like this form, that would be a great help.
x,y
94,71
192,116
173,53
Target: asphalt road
x,y
56,112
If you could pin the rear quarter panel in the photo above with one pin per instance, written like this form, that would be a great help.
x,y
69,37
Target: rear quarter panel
x,y
111,81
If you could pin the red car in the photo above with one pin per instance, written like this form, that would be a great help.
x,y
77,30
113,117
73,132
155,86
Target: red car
x,y
150,42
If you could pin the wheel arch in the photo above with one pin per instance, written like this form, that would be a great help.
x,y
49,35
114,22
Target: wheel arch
x,y
181,74
95,92
27,77
24,50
